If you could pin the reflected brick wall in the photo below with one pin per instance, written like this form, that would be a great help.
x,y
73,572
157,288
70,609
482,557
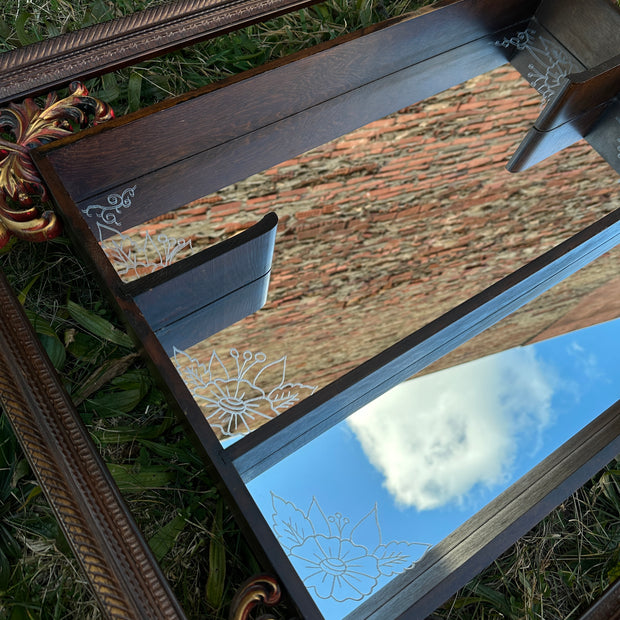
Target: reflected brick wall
x,y
387,228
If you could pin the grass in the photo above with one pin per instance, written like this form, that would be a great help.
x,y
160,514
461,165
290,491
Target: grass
x,y
552,572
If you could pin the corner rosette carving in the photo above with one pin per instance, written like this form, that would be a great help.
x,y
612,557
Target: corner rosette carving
x,y
24,126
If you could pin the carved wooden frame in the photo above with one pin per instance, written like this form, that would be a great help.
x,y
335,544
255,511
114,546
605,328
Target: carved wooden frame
x,y
485,536
116,559
39,67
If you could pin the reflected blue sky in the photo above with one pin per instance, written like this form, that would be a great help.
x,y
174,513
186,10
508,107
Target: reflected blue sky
x,y
428,455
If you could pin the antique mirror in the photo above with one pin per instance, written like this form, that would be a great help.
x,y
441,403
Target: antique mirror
x,y
368,323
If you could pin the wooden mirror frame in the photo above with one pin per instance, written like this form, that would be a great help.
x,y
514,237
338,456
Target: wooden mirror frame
x,y
478,542
107,46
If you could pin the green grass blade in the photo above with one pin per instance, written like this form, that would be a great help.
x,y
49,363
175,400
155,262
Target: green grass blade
x,y
131,481
216,581
98,326
163,540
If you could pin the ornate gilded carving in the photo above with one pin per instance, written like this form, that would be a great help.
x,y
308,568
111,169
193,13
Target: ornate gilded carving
x,y
24,126
256,590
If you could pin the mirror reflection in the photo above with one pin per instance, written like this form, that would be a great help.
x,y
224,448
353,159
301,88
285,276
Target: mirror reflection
x,y
379,232
366,500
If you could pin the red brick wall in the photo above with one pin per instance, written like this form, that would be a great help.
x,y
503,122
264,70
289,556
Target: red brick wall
x,y
385,229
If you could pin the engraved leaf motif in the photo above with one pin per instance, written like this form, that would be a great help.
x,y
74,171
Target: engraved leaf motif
x,y
289,523
231,402
394,557
318,520
289,394
368,530
278,368
216,368
333,558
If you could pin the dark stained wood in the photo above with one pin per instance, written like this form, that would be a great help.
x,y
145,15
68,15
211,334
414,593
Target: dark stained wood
x,y
570,115
177,184
472,547
104,47
583,92
256,530
264,117
114,556
306,420
607,607
207,320
605,135
188,301
402,64
590,29
588,34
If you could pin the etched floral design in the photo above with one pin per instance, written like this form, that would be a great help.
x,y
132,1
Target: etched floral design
x,y
521,40
133,258
550,65
116,202
238,393
336,558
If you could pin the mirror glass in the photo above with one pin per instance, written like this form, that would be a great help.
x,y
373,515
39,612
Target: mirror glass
x,y
379,232
366,500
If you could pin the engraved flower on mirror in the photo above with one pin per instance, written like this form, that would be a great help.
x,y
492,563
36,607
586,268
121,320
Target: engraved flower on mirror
x,y
237,394
550,64
335,557
133,258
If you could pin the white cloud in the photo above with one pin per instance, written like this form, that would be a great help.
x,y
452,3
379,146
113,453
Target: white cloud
x,y
437,437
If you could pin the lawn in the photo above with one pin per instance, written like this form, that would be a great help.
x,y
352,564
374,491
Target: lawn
x,y
554,571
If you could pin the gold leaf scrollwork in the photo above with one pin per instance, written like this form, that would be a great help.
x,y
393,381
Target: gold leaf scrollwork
x,y
258,589
24,126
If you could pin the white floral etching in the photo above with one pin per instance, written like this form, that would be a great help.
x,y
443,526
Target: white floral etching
x,y
116,202
335,557
550,64
520,41
237,392
135,258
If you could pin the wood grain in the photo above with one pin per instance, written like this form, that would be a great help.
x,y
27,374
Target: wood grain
x,y
402,63
224,133
571,115
474,545
205,293
104,47
115,558
590,29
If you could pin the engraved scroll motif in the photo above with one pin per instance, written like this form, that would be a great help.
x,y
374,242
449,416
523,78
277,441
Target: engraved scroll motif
x,y
132,258
135,258
550,65
335,557
116,202
24,126
259,589
234,393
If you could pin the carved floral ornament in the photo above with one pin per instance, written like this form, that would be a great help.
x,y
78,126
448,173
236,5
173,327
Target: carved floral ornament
x,y
24,126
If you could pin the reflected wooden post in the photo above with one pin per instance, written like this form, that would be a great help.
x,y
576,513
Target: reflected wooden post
x,y
569,52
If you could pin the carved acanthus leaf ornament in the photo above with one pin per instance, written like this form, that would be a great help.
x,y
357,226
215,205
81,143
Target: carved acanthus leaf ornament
x,y
24,126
